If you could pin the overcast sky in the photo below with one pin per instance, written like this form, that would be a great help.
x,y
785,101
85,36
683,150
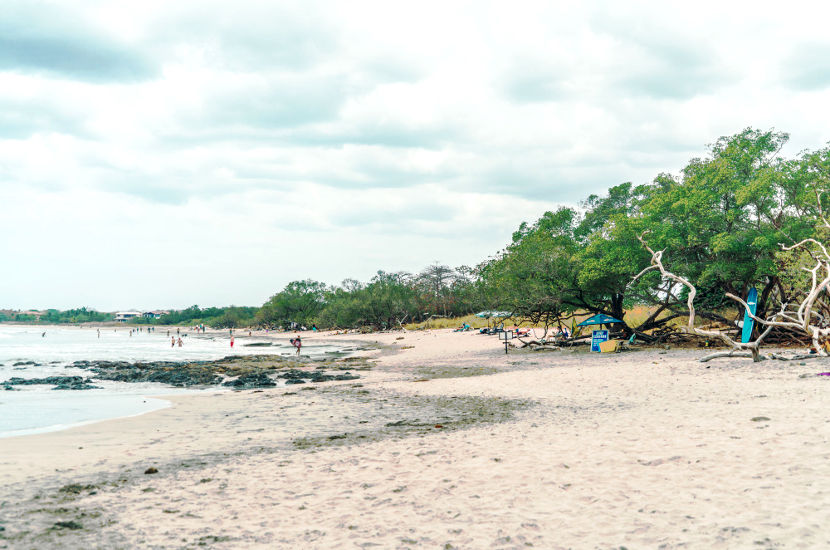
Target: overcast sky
x,y
163,154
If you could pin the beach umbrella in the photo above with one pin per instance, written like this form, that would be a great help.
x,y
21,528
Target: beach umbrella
x,y
599,319
489,314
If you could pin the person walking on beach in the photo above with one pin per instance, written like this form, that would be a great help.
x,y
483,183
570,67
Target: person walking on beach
x,y
231,341
297,343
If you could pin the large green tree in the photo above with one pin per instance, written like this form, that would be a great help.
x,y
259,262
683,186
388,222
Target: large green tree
x,y
299,302
721,222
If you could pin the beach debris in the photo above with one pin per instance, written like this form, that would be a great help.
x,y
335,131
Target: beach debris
x,y
759,419
659,461
151,470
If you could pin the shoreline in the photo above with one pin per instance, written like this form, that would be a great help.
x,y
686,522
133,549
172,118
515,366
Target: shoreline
x,y
447,441
166,403
81,397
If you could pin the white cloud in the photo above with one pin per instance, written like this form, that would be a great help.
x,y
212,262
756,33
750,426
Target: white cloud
x,y
219,150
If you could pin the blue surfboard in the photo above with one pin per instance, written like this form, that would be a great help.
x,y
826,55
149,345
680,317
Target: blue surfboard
x,y
752,302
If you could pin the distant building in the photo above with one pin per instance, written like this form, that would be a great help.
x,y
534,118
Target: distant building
x,y
155,314
124,316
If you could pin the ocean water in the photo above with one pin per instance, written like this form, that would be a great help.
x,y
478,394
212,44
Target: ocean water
x,y
38,409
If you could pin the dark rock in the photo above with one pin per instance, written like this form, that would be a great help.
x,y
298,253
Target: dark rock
x,y
257,371
24,363
258,345
253,380
294,381
293,373
151,470
76,387
165,372
60,382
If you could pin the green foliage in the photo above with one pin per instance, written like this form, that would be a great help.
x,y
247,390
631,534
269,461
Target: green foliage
x,y
299,302
215,317
54,316
721,222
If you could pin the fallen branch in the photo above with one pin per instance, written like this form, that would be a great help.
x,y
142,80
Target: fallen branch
x,y
732,353
739,349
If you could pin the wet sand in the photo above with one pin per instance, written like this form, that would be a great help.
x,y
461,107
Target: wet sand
x,y
448,443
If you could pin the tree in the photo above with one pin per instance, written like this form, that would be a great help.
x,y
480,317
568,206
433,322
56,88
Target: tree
x,y
436,281
723,218
299,302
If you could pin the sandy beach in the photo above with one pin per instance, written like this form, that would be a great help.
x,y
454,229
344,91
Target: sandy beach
x,y
448,443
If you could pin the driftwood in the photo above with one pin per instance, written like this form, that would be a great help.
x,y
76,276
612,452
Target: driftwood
x,y
810,318
799,357
738,349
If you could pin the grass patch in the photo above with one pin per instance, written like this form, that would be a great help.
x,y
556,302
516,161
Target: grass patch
x,y
71,524
76,489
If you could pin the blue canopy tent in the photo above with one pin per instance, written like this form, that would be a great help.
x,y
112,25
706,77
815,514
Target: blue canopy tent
x,y
598,336
599,319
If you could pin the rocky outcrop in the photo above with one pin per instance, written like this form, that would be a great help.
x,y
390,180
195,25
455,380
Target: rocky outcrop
x,y
238,372
251,381
60,382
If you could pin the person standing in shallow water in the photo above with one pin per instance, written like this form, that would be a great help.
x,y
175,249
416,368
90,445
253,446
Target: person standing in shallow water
x,y
172,341
231,341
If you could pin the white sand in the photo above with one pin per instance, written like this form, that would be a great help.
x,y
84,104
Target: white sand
x,y
645,449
